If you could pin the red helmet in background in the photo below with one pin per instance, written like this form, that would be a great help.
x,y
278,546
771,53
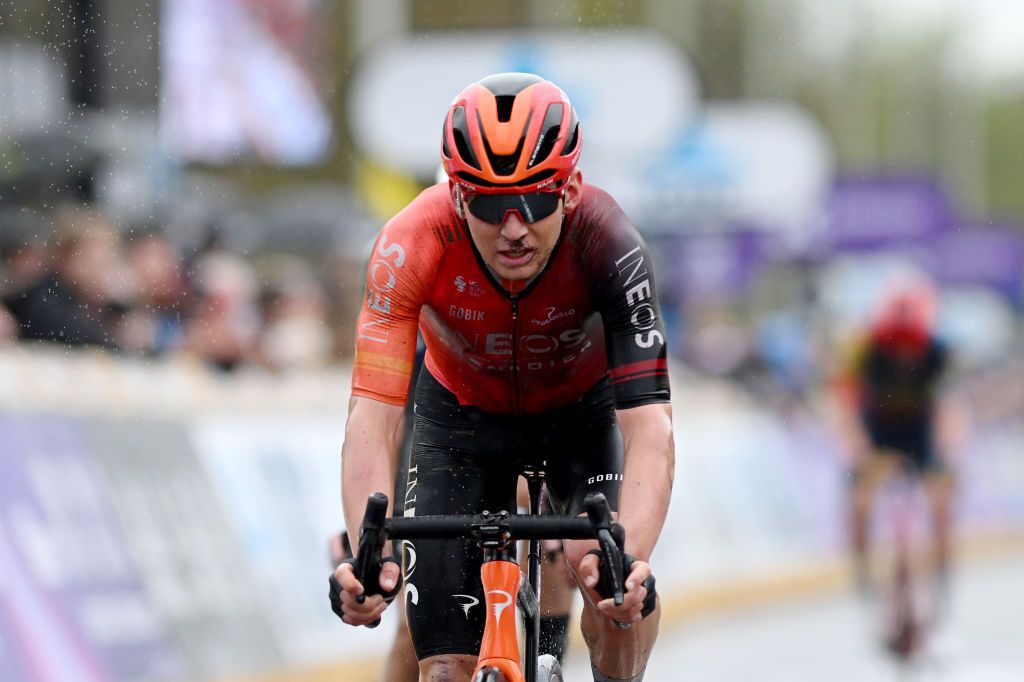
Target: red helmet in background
x,y
510,133
906,317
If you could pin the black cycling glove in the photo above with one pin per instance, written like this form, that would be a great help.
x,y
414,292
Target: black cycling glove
x,y
605,592
371,586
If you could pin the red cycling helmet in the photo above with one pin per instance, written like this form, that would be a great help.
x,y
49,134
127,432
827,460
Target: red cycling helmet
x,y
510,133
905,319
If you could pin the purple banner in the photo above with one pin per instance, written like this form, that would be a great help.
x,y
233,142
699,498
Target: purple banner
x,y
885,212
72,598
993,256
15,653
719,264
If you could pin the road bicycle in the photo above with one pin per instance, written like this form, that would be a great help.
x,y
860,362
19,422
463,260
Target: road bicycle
x,y
907,618
496,534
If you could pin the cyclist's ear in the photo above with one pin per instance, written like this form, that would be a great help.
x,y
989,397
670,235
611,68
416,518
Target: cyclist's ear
x,y
573,191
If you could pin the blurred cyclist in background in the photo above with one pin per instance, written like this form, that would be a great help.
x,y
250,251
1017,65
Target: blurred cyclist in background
x,y
544,341
893,398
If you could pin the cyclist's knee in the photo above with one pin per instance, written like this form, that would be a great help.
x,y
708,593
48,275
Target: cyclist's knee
x,y
574,551
447,668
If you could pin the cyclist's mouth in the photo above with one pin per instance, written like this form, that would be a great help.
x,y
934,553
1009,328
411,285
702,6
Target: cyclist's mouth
x,y
516,258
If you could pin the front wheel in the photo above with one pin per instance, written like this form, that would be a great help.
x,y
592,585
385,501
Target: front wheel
x,y
548,669
493,675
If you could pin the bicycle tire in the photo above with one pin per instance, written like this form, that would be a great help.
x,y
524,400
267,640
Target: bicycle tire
x,y
549,669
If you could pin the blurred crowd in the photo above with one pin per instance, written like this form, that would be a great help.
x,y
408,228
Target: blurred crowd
x,y
75,277
72,275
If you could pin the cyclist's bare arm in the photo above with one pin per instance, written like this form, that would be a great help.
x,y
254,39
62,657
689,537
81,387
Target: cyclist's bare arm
x,y
648,472
373,436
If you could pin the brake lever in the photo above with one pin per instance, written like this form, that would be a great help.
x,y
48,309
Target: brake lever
x,y
371,541
610,538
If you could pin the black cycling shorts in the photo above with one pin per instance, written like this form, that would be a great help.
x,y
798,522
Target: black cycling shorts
x,y
465,461
910,439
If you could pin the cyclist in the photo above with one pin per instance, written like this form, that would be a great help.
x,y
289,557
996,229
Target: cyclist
x,y
536,300
895,406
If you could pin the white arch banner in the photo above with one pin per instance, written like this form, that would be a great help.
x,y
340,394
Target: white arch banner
x,y
631,89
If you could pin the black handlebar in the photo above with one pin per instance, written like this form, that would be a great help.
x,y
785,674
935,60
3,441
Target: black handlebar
x,y
519,526
376,530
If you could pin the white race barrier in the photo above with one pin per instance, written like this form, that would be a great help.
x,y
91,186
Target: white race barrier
x,y
160,521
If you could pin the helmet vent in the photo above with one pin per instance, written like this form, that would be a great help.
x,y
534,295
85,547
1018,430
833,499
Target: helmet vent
x,y
548,136
504,164
574,138
460,131
505,103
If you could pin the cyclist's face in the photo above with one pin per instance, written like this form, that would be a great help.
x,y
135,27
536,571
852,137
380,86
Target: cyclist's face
x,y
516,249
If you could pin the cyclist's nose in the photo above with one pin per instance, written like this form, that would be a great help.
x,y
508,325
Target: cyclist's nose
x,y
513,227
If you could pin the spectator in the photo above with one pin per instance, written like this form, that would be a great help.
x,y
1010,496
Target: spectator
x,y
8,326
345,292
80,300
156,323
25,259
295,335
224,323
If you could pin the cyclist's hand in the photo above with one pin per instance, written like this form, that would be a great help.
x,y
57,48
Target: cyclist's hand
x,y
346,590
639,600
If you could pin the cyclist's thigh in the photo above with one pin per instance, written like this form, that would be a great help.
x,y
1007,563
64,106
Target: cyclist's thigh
x,y
587,456
448,474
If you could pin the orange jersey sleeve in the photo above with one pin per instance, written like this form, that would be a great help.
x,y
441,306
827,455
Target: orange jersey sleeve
x,y
399,277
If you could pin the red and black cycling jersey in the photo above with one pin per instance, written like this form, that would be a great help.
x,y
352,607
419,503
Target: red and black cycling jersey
x,y
899,388
591,312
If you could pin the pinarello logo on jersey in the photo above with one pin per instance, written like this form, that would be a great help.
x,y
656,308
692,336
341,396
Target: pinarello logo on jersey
x,y
553,316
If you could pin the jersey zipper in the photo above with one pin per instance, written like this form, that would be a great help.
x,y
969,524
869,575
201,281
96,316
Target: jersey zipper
x,y
515,350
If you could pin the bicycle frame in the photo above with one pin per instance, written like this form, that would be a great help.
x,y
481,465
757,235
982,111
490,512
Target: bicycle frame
x,y
500,645
905,612
500,577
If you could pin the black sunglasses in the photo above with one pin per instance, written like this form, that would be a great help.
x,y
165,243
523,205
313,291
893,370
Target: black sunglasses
x,y
491,208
